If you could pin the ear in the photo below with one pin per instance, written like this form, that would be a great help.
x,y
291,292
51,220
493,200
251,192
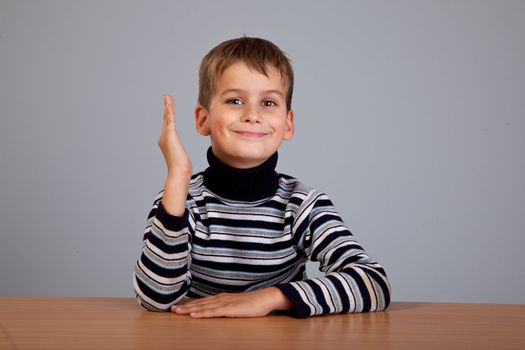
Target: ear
x,y
201,120
290,127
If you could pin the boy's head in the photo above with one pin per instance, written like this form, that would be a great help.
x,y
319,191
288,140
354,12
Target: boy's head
x,y
244,101
256,53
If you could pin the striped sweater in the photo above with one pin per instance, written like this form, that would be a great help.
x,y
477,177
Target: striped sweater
x,y
244,230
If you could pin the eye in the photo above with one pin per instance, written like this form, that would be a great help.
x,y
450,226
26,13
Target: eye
x,y
269,103
234,101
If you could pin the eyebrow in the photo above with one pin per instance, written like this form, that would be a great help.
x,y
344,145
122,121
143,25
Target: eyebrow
x,y
243,91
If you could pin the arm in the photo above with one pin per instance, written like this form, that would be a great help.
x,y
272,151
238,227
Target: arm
x,y
177,161
353,281
161,274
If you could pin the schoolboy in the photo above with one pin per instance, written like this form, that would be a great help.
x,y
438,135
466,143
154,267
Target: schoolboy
x,y
233,240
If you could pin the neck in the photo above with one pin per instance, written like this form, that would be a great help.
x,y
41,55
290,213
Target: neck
x,y
250,184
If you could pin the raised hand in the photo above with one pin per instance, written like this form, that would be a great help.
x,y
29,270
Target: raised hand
x,y
177,161
169,142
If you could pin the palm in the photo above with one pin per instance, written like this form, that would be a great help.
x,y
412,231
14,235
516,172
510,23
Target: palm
x,y
169,142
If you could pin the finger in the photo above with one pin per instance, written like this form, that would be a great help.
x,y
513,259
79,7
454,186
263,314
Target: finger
x,y
189,305
205,314
194,307
209,313
182,310
169,106
201,301
225,311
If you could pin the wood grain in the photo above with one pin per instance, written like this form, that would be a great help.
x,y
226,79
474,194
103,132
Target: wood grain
x,y
119,323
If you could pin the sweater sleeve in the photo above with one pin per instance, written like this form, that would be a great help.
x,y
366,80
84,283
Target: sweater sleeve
x,y
353,282
161,276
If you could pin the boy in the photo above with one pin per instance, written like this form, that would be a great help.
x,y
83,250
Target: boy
x,y
233,240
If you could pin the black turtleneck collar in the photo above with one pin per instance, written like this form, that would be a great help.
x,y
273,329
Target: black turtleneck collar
x,y
241,184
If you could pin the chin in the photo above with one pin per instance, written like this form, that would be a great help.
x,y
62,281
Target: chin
x,y
245,156
250,159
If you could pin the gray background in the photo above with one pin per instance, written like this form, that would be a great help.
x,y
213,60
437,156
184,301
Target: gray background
x,y
409,115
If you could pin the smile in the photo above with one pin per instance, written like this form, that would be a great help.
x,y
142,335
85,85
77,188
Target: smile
x,y
251,134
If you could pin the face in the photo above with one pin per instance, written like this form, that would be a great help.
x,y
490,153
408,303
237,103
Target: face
x,y
247,117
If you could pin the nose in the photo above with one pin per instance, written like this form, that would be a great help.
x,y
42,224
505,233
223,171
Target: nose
x,y
251,114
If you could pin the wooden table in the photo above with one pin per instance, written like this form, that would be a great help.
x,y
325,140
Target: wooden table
x,y
113,323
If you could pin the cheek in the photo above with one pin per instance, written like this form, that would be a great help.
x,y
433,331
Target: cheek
x,y
279,125
216,119
219,124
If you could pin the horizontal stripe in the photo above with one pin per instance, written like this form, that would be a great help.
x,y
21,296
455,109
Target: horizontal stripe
x,y
222,245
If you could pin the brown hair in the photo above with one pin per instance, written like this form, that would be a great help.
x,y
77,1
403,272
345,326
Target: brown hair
x,y
256,53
